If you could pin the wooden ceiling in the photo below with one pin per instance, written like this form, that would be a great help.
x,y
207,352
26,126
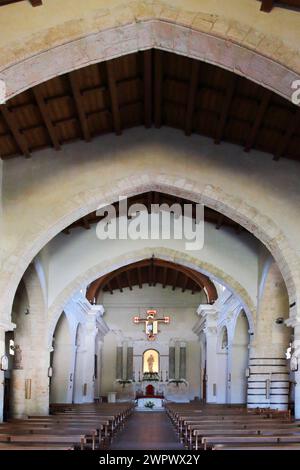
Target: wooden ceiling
x,y
153,271
34,3
267,5
149,88
154,197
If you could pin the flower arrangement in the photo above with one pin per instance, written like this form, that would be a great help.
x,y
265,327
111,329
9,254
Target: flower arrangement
x,y
123,382
178,381
149,404
151,377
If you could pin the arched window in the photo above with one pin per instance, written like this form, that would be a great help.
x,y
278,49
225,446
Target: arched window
x,y
151,361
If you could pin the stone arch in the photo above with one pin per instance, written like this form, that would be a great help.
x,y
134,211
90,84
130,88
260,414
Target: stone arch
x,y
259,224
234,45
159,252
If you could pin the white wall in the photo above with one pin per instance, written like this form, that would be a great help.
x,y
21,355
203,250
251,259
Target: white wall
x,y
235,255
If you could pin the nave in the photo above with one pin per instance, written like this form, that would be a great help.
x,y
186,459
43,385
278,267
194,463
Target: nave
x,y
180,426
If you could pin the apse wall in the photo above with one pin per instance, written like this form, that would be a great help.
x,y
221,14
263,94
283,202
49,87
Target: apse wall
x,y
119,311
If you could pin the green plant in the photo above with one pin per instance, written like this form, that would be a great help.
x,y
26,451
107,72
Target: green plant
x,y
149,404
178,381
123,382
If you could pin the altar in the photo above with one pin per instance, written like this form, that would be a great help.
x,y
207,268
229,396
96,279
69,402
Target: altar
x,y
157,403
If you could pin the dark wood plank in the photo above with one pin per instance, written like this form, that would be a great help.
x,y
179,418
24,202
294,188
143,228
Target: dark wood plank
x,y
15,131
259,119
46,119
78,98
192,97
225,108
113,91
294,124
266,5
158,80
148,88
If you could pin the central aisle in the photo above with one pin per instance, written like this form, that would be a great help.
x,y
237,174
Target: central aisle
x,y
146,431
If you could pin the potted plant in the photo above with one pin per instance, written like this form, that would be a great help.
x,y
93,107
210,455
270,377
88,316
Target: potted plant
x,y
178,381
123,382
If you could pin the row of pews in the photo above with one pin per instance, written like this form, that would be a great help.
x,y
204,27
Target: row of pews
x,y
219,427
68,427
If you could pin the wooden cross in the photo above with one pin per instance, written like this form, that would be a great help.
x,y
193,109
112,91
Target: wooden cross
x,y
151,323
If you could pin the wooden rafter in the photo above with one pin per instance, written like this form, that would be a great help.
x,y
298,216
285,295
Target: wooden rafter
x,y
198,280
86,223
128,276
113,92
266,5
220,221
119,283
140,278
185,283
77,95
158,95
294,124
175,280
34,3
148,88
192,97
226,107
165,277
15,131
46,118
258,120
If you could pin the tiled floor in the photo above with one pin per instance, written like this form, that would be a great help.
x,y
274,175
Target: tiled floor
x,y
147,431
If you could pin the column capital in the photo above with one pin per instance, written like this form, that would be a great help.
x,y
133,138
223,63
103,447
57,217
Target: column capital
x,y
207,310
7,326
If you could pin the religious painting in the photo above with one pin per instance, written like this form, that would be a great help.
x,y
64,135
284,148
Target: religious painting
x,y
151,361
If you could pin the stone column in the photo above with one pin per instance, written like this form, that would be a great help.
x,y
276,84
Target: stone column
x,y
182,360
209,316
268,382
172,361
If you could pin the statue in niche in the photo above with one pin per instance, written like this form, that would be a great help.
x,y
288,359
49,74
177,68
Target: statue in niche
x,y
150,362
225,339
17,357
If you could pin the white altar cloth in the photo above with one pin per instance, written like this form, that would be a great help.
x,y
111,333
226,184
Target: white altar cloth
x,y
158,403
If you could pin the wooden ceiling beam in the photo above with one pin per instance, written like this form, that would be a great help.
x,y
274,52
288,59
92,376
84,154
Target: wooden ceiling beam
x,y
220,221
15,131
86,223
128,277
148,88
119,283
175,280
226,107
158,85
140,278
185,283
258,120
113,92
77,96
294,124
266,5
165,277
46,119
110,288
36,3
192,94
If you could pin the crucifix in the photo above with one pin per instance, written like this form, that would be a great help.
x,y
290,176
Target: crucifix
x,y
151,323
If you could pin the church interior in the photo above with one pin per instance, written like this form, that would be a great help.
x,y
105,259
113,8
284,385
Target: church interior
x,y
189,111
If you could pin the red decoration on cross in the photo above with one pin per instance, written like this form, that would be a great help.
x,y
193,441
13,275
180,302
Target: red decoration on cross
x,y
151,323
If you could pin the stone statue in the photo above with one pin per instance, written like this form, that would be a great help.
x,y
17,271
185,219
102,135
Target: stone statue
x,y
150,361
17,357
